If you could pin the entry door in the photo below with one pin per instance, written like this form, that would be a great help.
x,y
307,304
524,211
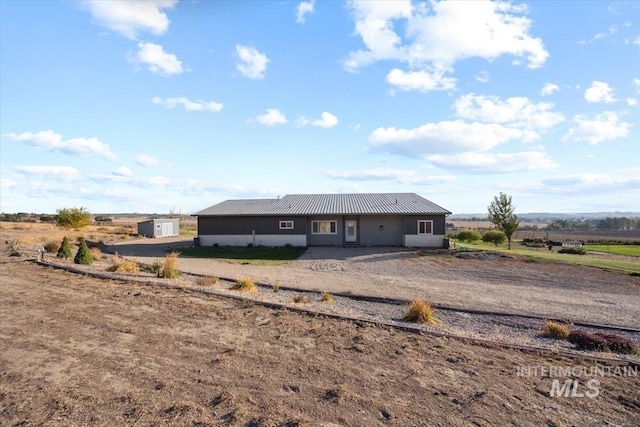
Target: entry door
x,y
350,230
167,228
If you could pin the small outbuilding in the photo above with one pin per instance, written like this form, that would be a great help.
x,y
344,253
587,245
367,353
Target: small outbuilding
x,y
159,227
572,244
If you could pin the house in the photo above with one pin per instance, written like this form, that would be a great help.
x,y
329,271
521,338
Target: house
x,y
159,227
385,219
572,244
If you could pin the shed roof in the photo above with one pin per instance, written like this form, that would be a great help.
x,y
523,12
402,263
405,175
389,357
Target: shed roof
x,y
328,204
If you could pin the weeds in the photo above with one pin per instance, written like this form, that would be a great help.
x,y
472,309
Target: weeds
x,y
96,253
244,285
276,288
169,269
326,297
207,281
121,265
300,299
52,247
554,330
421,312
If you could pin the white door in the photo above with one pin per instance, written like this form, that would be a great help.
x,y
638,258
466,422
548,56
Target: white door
x,y
351,230
167,229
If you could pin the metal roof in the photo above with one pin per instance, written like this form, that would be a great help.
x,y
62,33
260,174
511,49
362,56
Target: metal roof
x,y
328,204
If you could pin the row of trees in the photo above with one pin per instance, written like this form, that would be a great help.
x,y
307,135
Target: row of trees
x,y
605,224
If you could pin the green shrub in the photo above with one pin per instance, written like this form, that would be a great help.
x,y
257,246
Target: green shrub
x,y
73,217
468,236
65,249
83,256
496,237
575,251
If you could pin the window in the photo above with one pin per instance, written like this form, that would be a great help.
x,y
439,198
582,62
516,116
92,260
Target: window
x,y
323,227
425,227
286,225
158,226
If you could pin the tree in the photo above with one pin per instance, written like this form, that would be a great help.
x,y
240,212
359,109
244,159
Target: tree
x,y
84,255
501,214
65,249
468,236
73,217
494,236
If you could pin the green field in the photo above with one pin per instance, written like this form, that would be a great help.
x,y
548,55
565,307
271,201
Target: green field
x,y
591,261
246,255
632,250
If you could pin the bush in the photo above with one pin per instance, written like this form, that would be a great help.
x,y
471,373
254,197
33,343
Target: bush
x,y
421,312
73,217
300,299
618,344
207,281
244,285
468,236
326,297
121,265
65,249
83,256
96,253
52,247
555,330
575,251
496,237
169,269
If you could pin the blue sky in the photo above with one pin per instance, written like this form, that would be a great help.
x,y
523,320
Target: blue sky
x,y
153,106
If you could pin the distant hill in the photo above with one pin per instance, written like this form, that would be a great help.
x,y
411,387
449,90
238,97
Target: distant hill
x,y
549,216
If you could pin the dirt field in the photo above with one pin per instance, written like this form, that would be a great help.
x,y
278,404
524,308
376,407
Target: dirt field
x,y
81,351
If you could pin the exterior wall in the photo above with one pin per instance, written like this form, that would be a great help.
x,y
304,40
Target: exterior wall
x,y
325,239
414,240
381,230
157,227
257,240
239,225
424,240
146,229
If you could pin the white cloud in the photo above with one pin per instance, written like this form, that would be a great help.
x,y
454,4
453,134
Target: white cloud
x,y
326,121
516,111
601,35
131,17
636,83
157,60
188,104
549,88
272,117
122,171
445,137
433,41
599,92
304,8
253,64
151,181
400,176
147,160
50,141
593,131
632,102
494,163
634,41
422,81
483,77
51,173
593,183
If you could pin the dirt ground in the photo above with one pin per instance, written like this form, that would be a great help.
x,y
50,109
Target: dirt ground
x,y
76,350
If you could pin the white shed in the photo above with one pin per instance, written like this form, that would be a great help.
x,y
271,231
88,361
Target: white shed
x,y
159,227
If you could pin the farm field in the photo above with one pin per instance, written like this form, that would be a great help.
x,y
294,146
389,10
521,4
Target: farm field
x,y
83,351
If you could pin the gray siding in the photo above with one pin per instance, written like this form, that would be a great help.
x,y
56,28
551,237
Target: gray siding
x,y
227,225
411,223
146,229
325,239
154,228
381,230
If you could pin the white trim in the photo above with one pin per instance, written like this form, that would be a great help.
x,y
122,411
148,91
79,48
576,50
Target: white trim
x,y
286,225
256,240
333,224
430,226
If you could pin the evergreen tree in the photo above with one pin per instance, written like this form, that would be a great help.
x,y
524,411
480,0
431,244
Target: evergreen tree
x,y
83,256
65,249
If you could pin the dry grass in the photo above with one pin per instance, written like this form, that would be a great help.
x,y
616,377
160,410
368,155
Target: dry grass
x,y
300,299
555,330
52,246
207,281
276,287
121,265
244,285
96,253
420,311
169,269
326,297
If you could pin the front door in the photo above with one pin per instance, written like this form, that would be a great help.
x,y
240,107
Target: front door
x,y
350,230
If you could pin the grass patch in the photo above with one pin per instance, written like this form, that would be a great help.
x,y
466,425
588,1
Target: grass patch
x,y
246,255
326,297
554,330
244,285
96,253
121,265
630,250
420,311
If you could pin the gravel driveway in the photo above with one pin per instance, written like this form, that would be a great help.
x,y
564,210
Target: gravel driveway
x,y
484,281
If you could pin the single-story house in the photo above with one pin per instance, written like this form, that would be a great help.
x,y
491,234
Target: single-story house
x,y
572,244
159,227
385,219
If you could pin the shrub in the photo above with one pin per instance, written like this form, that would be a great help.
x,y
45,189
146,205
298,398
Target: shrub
x,y
65,249
496,237
554,330
420,311
468,236
52,247
121,265
244,285
276,287
207,281
73,217
300,299
587,341
618,344
96,253
83,256
575,251
326,297
169,269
